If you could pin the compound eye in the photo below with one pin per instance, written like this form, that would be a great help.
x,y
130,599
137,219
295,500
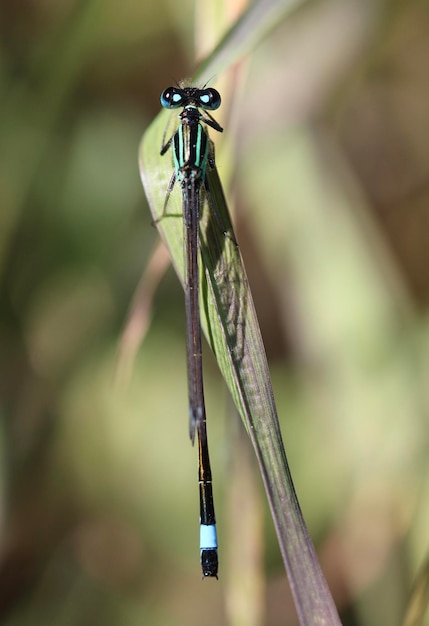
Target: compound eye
x,y
171,98
209,99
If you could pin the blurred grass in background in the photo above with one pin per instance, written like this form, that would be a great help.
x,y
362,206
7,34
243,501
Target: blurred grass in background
x,y
330,179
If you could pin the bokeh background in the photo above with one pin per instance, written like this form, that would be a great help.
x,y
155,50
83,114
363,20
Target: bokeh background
x,y
326,162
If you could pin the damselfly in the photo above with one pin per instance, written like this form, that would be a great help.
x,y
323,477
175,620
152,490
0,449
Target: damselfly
x,y
192,154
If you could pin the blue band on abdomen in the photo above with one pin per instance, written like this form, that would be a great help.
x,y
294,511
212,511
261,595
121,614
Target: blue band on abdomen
x,y
208,537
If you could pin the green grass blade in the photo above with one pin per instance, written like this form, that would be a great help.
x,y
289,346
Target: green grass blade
x,y
251,28
231,327
230,324
419,600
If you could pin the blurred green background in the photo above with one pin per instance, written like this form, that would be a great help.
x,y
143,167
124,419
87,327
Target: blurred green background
x,y
326,151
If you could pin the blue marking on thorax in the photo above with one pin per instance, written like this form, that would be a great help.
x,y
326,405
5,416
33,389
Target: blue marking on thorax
x,y
198,148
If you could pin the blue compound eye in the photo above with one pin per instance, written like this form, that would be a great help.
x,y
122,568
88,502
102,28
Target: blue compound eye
x,y
209,99
172,98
